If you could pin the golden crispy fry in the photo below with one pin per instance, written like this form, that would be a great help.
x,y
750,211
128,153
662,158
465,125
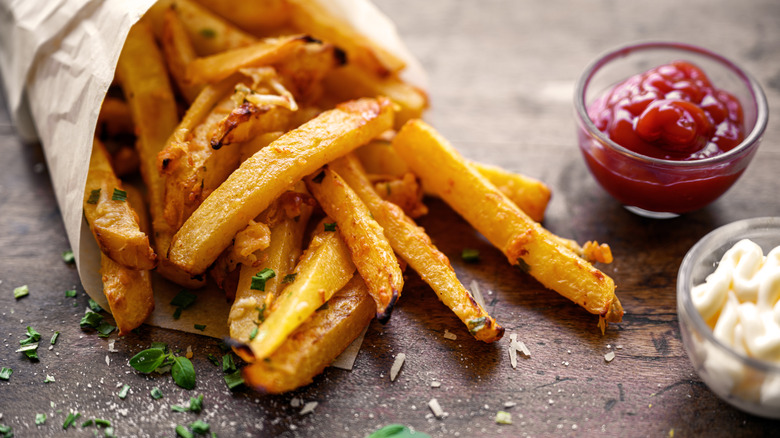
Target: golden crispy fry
x,y
531,195
405,192
371,252
522,240
304,70
265,175
113,223
280,257
315,343
254,16
125,161
179,52
141,71
351,82
219,66
413,245
208,32
114,118
324,269
252,146
128,291
316,19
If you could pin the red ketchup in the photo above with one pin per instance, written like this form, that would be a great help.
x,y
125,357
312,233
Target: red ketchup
x,y
671,112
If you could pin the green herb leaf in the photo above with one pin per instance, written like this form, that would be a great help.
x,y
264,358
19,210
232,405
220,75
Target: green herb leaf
x,y
470,255
258,281
228,366
70,293
94,306
21,291
208,32
48,379
183,432
330,226
40,419
200,327
503,417
177,408
260,314
213,359
105,329
156,393
6,431
91,320
5,373
289,278
119,195
68,257
123,392
30,350
101,422
183,372
397,431
32,337
148,360
200,427
184,299
476,324
253,333
70,419
160,345
94,196
234,379
196,403
54,337
177,313
87,423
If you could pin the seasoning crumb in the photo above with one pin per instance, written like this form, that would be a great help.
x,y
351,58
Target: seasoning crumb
x,y
111,344
435,384
397,364
449,335
435,408
509,404
188,355
108,361
295,402
503,417
609,356
308,407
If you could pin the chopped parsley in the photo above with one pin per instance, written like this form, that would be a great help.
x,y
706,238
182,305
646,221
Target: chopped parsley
x,y
94,306
5,373
258,281
503,417
207,32
21,291
329,226
54,337
148,360
70,293
123,392
181,301
234,379
48,379
199,427
470,255
94,196
91,320
228,366
68,257
200,327
397,431
253,333
71,418
213,359
196,403
183,372
40,419
289,278
29,346
183,432
119,195
177,408
105,329
156,393
476,324
6,431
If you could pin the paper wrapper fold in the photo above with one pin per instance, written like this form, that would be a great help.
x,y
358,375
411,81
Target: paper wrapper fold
x,y
57,60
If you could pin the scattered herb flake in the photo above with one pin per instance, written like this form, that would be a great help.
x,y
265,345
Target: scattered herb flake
x,y
32,336
258,281
94,196
40,419
183,432
101,422
48,379
94,306
183,372
503,417
156,393
397,431
196,403
70,293
228,366
160,345
21,291
289,278
184,299
105,329
234,379
119,195
177,313
199,427
213,359
148,360
200,327
6,431
470,255
68,257
87,423
476,324
54,337
5,373
208,32
329,226
177,408
71,418
91,320
123,392
30,350
253,333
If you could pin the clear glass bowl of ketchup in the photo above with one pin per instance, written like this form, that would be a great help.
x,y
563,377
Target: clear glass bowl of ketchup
x,y
666,128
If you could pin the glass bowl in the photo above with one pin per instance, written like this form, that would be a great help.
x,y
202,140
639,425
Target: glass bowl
x,y
655,187
747,383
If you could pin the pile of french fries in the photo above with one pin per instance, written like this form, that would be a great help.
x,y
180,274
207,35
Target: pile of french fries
x,y
282,156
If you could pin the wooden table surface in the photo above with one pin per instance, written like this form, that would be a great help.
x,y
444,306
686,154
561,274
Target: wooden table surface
x,y
501,77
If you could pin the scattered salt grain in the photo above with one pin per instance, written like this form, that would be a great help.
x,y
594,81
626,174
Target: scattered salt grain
x,y
397,364
436,408
111,344
449,335
108,361
513,350
308,407
435,384
510,404
295,402
609,356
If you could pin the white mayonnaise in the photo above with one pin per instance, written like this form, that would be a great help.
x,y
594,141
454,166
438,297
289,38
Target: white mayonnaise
x,y
740,301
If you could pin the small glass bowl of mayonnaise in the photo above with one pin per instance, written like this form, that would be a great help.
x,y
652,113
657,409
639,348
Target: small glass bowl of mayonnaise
x,y
728,289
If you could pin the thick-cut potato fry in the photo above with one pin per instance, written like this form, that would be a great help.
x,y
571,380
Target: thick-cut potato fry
x,y
179,52
128,291
351,82
113,223
315,343
280,257
371,252
523,241
306,67
413,245
142,73
531,195
324,269
254,16
208,32
219,66
317,19
405,192
265,175
251,147
114,118
125,161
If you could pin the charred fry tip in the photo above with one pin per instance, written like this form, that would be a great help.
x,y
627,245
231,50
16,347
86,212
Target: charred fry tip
x,y
384,315
216,144
165,163
240,348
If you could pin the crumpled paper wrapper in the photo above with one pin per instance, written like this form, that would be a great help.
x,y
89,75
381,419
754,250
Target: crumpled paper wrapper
x,y
57,60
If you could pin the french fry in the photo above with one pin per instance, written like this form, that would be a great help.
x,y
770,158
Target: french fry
x,y
315,343
405,192
522,240
265,175
128,291
280,257
351,82
316,19
306,67
265,52
111,220
125,161
114,118
371,252
254,16
324,269
179,52
144,78
415,246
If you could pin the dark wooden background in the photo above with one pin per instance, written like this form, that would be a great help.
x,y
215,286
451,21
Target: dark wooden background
x,y
501,78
